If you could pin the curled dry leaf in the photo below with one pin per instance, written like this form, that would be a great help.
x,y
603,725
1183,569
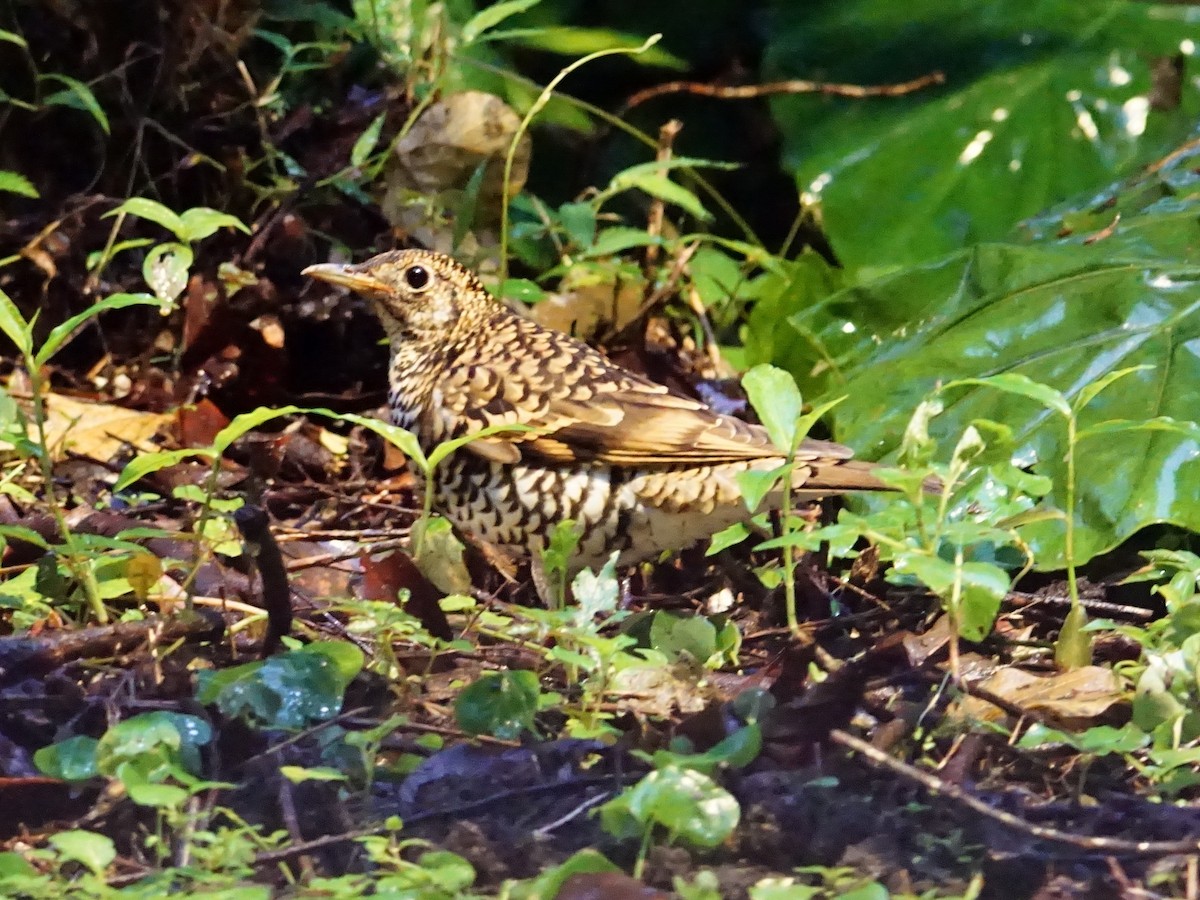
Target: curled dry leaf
x,y
436,161
584,308
1073,700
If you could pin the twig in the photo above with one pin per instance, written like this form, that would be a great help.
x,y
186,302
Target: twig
x,y
252,522
654,221
573,814
1093,844
793,86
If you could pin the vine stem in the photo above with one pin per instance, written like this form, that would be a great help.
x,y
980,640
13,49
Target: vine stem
x,y
1072,581
542,99
79,567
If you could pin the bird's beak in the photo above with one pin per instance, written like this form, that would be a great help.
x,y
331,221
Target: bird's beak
x,y
346,276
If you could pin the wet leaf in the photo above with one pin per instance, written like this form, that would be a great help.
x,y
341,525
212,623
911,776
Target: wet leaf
x,y
1064,315
1042,101
73,759
291,691
502,704
687,803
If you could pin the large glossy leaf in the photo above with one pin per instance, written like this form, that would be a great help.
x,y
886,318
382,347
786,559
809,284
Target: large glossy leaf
x,y
1043,100
1066,313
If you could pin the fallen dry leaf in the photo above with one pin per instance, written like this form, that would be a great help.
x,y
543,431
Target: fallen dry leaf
x,y
661,690
1074,700
98,430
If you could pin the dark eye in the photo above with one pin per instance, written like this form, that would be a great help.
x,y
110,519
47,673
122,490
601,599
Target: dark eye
x,y
416,277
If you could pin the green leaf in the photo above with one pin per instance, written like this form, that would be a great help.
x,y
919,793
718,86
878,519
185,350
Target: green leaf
x,y
73,759
1073,649
464,215
550,881
293,690
93,851
579,221
596,593
166,270
157,796
158,742
16,183
776,400
154,212
14,326
612,241
491,16
367,141
405,440
60,333
659,166
502,704
1091,391
77,96
521,289
1100,740
687,803
96,256
201,222
13,865
984,587
737,750
247,422
755,485
439,555
443,450
12,38
728,537
1043,100
577,42
347,660
1060,313
661,188
674,636
300,774
1022,386
146,463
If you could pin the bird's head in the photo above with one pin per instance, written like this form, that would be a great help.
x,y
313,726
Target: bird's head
x,y
414,292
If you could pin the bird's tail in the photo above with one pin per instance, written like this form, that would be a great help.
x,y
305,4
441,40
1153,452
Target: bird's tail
x,y
841,476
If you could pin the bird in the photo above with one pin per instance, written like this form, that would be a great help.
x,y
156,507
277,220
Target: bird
x,y
639,469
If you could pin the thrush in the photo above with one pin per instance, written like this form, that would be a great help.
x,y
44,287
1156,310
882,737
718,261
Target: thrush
x,y
640,470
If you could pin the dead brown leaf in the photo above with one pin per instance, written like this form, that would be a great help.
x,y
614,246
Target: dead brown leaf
x,y
98,430
1077,699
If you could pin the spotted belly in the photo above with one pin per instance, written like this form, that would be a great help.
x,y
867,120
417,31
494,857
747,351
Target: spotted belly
x,y
638,512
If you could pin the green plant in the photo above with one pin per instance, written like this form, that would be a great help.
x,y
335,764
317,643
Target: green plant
x,y
291,691
959,548
167,265
77,552
685,803
776,400
1073,648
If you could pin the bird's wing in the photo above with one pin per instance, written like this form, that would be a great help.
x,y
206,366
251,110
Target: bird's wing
x,y
576,406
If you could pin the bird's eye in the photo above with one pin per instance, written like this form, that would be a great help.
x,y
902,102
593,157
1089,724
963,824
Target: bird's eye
x,y
416,277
